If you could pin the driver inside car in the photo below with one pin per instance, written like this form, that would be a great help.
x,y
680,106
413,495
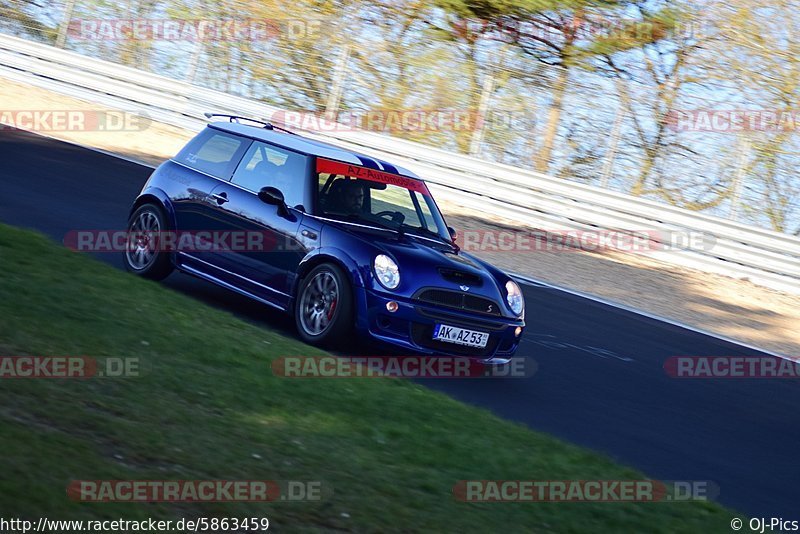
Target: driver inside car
x,y
353,198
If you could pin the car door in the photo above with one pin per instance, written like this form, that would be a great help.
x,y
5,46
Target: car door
x,y
206,162
267,248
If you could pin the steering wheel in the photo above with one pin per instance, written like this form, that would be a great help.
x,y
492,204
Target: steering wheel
x,y
396,216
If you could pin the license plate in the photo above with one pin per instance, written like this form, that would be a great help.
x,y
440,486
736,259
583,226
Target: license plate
x,y
460,336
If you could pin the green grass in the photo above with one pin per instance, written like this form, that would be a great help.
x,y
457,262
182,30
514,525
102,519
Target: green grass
x,y
209,407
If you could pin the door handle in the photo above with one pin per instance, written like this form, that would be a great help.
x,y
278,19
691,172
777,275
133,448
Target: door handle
x,y
222,198
308,234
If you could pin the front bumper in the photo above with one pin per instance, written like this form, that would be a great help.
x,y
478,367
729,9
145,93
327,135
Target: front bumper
x,y
411,327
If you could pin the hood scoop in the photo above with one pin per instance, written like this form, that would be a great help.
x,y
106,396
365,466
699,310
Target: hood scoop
x,y
460,277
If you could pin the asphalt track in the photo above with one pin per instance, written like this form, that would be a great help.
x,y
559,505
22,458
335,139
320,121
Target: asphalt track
x,y
600,381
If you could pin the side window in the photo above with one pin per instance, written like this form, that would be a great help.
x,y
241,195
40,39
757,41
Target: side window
x,y
213,152
266,165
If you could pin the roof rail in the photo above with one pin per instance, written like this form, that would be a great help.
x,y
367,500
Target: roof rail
x,y
236,118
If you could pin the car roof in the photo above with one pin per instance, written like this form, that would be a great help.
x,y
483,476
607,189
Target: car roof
x,y
310,147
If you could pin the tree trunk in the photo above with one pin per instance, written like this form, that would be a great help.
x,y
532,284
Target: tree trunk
x,y
638,186
553,120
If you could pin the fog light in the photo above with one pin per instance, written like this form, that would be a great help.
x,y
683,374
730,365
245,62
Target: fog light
x,y
392,306
518,331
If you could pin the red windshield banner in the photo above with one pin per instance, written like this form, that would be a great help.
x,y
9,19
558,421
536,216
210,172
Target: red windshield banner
x,y
363,173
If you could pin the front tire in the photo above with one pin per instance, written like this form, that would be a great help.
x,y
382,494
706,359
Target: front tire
x,y
143,255
324,309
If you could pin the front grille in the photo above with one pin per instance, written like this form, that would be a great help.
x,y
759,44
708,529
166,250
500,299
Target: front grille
x,y
450,299
422,335
461,301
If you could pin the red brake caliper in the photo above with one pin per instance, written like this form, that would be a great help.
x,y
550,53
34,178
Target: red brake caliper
x,y
333,308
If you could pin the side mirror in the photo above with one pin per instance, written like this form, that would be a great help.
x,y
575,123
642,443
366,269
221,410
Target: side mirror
x,y
453,233
274,197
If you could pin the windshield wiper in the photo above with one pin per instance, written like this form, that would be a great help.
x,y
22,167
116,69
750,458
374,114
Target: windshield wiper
x,y
428,232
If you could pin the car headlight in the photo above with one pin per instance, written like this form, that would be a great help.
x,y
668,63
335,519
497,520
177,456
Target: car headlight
x,y
386,271
514,297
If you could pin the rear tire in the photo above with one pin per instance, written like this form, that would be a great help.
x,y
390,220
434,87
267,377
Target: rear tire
x,y
142,256
323,311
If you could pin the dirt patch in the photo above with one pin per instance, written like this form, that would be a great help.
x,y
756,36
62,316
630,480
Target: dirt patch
x,y
142,140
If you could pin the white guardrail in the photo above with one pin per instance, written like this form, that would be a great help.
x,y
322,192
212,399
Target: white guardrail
x,y
536,200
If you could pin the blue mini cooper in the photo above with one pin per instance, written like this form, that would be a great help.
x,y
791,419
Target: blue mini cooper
x,y
348,244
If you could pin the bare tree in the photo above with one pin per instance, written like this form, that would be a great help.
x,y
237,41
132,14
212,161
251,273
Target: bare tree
x,y
759,54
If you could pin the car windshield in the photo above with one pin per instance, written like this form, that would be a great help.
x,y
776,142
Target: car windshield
x,y
378,198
